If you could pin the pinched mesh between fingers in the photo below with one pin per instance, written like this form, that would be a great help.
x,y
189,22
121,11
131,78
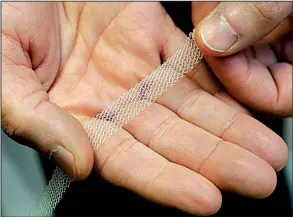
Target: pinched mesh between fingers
x,y
120,112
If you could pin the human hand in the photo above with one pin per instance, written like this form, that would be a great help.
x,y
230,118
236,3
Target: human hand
x,y
259,76
179,152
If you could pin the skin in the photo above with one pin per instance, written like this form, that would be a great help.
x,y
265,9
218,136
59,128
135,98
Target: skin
x,y
257,69
193,142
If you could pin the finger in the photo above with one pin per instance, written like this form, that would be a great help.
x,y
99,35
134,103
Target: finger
x,y
126,162
193,147
205,111
288,53
223,31
201,73
203,76
247,77
236,172
30,61
29,117
282,73
284,51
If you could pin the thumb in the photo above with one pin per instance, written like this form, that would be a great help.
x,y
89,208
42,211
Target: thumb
x,y
233,26
31,119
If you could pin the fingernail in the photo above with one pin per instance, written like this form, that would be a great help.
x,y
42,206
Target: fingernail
x,y
217,34
64,159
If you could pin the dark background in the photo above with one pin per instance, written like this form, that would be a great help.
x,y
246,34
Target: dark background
x,y
96,197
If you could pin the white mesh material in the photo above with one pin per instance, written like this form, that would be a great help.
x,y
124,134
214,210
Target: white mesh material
x,y
121,111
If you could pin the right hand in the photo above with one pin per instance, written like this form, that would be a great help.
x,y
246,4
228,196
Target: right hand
x,y
65,62
249,47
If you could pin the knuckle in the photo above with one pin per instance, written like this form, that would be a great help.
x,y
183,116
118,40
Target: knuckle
x,y
163,131
268,11
10,128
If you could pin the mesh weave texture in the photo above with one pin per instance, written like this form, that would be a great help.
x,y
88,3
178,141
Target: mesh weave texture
x,y
120,112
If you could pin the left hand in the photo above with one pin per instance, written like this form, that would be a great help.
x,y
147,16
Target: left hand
x,y
193,141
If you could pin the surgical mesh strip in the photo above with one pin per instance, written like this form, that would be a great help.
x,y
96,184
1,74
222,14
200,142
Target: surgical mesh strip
x,y
120,112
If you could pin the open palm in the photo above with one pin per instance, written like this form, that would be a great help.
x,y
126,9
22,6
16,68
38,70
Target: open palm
x,y
64,62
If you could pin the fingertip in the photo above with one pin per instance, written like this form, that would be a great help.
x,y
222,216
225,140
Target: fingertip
x,y
270,147
267,184
212,203
234,169
207,34
83,159
84,165
204,203
273,149
198,195
279,157
266,144
201,44
263,183
76,163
